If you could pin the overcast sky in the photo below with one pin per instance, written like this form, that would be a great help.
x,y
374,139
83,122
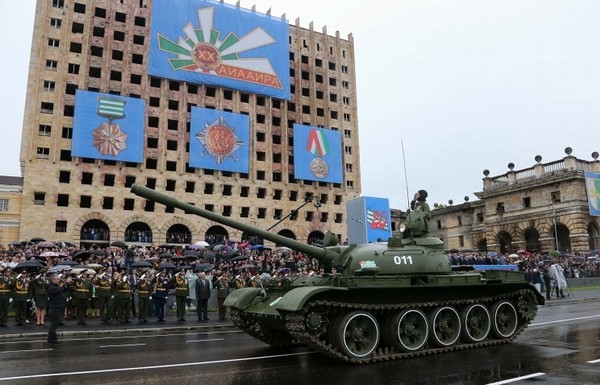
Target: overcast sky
x,y
464,85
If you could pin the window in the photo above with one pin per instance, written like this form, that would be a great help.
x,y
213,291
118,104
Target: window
x,y
79,8
44,130
43,153
64,176
119,16
459,220
3,204
119,36
480,217
107,203
190,187
87,178
51,65
58,3
137,58
53,43
56,23
77,28
75,47
100,12
85,201
500,208
137,39
60,226
526,202
39,198
208,188
555,196
140,21
67,133
129,180
128,204
73,68
109,179
62,200
344,69
461,240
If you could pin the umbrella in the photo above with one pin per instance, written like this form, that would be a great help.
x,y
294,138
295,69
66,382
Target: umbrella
x,y
119,244
167,265
246,266
208,254
58,268
82,255
239,258
16,244
204,266
284,248
196,247
178,258
67,263
82,270
218,247
31,264
141,264
37,239
167,255
243,245
95,266
98,252
45,245
202,243
257,247
512,256
47,254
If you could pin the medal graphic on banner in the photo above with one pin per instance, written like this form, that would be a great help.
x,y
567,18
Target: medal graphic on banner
x,y
108,138
220,141
318,145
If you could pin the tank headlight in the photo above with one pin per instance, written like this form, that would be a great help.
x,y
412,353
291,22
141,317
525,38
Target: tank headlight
x,y
402,227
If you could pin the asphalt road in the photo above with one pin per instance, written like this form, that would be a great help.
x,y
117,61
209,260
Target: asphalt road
x,y
561,346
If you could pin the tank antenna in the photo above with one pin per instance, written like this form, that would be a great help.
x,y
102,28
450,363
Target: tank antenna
x,y
405,175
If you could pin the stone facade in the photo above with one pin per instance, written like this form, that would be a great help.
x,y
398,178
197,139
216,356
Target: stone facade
x,y
11,196
541,208
102,45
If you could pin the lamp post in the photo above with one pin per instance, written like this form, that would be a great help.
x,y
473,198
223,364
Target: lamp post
x,y
307,199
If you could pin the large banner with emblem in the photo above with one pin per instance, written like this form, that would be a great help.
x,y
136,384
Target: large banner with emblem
x,y
368,219
317,154
219,140
592,185
218,44
109,127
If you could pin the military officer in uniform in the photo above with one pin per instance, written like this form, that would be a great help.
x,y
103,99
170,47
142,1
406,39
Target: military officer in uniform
x,y
104,285
123,297
144,288
40,296
6,284
180,284
160,293
222,293
20,297
82,295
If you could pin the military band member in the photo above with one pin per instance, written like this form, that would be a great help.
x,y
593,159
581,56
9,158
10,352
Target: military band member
x,y
20,297
144,288
160,293
180,284
6,284
104,291
81,296
39,294
123,297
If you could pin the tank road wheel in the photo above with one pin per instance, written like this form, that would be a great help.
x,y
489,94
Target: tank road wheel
x,y
444,323
504,322
476,322
409,329
527,305
317,322
357,334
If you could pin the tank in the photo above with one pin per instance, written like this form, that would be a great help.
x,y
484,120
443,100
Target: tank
x,y
388,300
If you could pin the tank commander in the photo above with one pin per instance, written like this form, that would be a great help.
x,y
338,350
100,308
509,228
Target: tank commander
x,y
419,204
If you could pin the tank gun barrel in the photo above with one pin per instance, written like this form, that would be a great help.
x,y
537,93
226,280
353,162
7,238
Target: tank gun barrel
x,y
324,255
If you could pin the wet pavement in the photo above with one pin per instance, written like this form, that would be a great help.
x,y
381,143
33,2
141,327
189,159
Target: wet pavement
x,y
95,327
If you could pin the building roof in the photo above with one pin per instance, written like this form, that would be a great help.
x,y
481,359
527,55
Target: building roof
x,y
11,180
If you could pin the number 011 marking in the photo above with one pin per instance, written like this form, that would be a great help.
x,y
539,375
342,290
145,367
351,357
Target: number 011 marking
x,y
403,260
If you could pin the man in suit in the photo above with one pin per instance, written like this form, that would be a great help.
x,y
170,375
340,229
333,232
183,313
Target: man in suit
x,y
202,295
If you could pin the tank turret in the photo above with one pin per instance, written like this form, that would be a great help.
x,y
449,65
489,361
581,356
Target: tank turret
x,y
387,300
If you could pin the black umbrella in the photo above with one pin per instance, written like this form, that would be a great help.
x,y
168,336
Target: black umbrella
x,y
37,239
204,267
32,264
178,258
167,265
208,254
141,264
67,262
16,244
167,255
239,258
101,253
119,244
82,255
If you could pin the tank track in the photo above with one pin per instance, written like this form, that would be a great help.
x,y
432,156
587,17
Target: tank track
x,y
252,326
296,326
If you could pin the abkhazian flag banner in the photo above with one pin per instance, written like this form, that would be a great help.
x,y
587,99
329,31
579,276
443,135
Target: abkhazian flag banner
x,y
317,154
592,185
221,45
109,127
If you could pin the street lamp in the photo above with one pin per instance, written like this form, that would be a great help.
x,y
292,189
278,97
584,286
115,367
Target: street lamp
x,y
307,199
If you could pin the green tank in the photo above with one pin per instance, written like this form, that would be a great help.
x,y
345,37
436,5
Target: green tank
x,y
388,300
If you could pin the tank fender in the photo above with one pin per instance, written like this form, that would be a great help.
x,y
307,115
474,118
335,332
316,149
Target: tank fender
x,y
295,299
242,298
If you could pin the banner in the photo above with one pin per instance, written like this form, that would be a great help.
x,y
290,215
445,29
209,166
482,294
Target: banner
x,y
107,126
219,140
317,154
368,219
221,45
592,185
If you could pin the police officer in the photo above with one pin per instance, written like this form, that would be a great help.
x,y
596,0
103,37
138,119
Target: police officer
x,y
160,293
82,296
20,297
6,284
123,297
180,283
104,291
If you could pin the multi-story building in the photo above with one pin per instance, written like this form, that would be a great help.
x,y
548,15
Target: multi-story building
x,y
11,196
541,208
102,51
